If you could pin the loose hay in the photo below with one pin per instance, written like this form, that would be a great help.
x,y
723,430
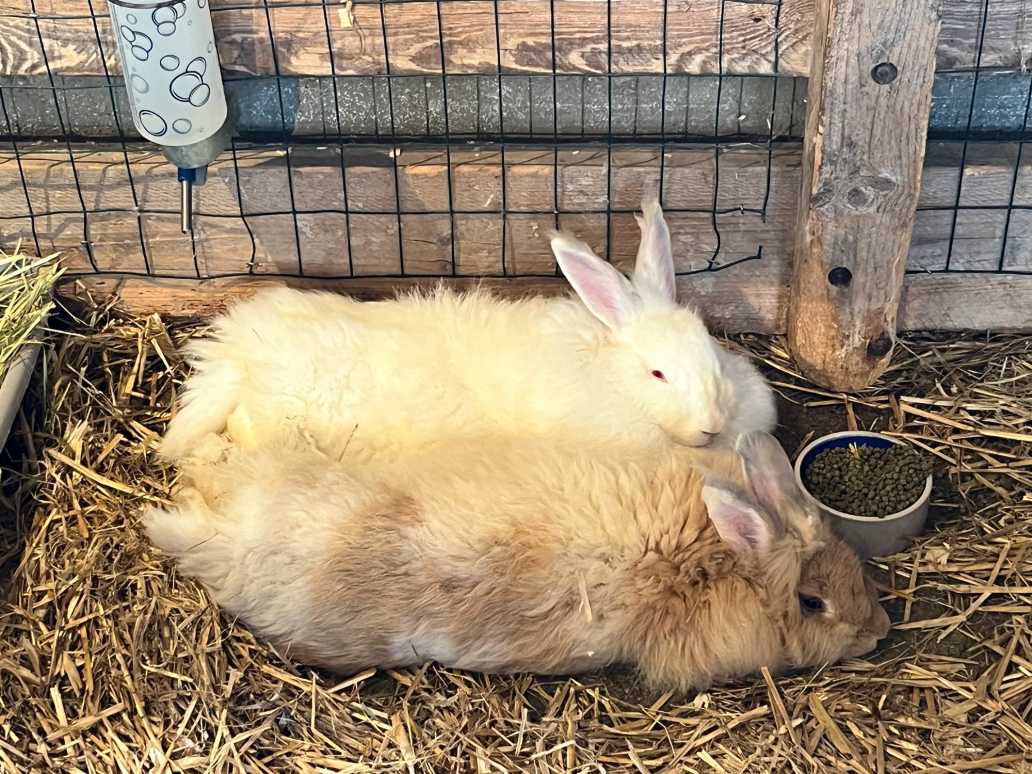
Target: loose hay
x,y
25,285
111,663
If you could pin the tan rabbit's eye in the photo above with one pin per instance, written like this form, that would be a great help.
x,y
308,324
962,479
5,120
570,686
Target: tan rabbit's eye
x,y
811,604
659,375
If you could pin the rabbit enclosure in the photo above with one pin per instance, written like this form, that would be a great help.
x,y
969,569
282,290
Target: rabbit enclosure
x,y
834,172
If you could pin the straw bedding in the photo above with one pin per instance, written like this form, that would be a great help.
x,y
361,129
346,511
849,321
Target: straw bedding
x,y
109,662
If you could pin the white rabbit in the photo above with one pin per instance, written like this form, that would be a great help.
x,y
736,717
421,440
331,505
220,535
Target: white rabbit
x,y
628,366
529,558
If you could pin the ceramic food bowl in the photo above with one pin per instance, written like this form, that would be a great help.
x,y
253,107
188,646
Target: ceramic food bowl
x,y
868,535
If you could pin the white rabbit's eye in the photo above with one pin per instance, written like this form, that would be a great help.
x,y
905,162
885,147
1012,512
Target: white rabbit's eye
x,y
659,375
811,604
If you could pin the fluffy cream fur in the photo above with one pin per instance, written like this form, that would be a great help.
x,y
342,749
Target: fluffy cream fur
x,y
386,377
431,369
525,557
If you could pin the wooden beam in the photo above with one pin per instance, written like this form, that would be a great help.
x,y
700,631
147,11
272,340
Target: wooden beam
x,y
261,176
303,106
958,302
741,302
867,120
587,36
355,38
744,301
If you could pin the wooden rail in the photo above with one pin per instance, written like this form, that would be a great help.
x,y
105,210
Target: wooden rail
x,y
356,40
737,302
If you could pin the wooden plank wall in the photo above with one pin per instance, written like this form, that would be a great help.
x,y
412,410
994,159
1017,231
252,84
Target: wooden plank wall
x,y
263,189
356,39
749,296
537,181
223,244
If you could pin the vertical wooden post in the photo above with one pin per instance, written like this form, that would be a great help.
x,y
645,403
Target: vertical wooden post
x,y
867,118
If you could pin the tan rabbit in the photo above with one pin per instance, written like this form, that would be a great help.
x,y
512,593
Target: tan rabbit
x,y
530,558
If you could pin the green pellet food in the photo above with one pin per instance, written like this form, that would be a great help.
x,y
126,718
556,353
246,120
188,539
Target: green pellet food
x,y
866,481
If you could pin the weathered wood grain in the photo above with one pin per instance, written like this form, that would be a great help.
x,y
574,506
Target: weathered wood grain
x,y
365,241
584,37
862,158
991,172
681,106
347,204
742,301
223,243
956,302
1007,42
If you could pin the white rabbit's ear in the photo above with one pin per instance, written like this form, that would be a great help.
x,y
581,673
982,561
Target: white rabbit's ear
x,y
654,267
744,527
606,292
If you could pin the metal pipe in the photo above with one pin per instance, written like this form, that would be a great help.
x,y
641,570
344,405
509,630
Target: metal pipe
x,y
186,206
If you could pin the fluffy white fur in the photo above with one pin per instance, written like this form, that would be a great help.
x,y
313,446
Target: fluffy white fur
x,y
526,558
397,376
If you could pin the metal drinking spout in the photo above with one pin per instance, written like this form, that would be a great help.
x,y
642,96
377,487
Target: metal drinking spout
x,y
186,182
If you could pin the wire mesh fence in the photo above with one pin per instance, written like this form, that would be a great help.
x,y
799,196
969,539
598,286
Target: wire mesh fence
x,y
979,217
337,210
406,138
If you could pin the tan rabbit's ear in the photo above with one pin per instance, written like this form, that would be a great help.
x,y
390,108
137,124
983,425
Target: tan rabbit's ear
x,y
767,470
748,530
772,482
654,266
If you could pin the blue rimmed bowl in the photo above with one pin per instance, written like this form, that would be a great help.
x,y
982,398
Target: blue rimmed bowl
x,y
868,535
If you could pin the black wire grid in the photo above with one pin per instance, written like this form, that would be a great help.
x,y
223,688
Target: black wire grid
x,y
971,212
645,111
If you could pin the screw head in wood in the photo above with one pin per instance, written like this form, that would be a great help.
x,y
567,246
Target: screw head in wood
x,y
879,347
840,277
884,73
